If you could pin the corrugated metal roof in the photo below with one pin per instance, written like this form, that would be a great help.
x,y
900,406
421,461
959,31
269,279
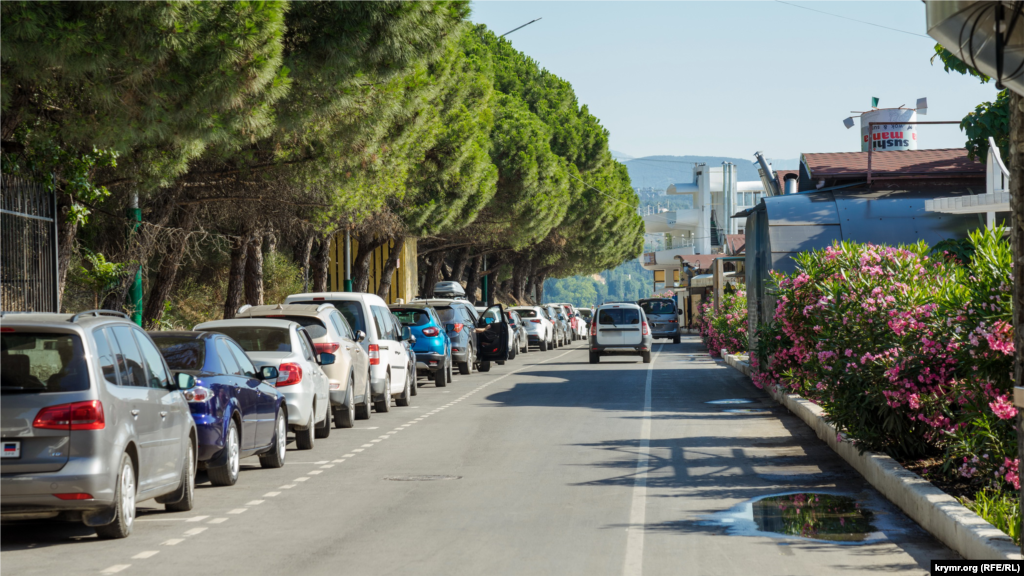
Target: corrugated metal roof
x,y
939,162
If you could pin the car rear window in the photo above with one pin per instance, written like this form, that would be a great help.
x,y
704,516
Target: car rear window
x,y
181,353
312,324
527,313
38,362
659,307
411,316
585,313
618,316
447,315
352,311
258,338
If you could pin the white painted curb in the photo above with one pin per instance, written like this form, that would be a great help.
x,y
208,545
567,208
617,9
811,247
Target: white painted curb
x,y
937,512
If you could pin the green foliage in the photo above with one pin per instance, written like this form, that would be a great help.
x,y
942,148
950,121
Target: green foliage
x,y
999,509
988,119
60,170
101,276
950,63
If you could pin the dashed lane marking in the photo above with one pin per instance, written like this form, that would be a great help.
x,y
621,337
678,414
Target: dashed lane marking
x,y
254,502
270,494
146,554
197,518
315,472
301,479
115,568
218,521
237,510
195,531
173,541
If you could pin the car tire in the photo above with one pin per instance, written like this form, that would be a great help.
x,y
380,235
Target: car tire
x,y
676,340
542,346
363,412
439,377
466,368
305,439
345,417
323,429
647,357
595,358
384,405
187,491
450,371
406,395
485,366
124,504
513,350
227,474
414,386
274,458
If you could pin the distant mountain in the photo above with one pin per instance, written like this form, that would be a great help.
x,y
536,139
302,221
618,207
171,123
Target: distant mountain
x,y
659,172
620,156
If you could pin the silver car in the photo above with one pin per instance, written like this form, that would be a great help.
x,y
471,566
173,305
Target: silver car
x,y
92,421
664,318
620,329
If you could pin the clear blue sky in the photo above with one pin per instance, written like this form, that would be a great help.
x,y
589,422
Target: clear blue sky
x,y
730,78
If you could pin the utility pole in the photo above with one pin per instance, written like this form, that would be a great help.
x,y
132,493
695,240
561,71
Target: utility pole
x,y
135,292
348,260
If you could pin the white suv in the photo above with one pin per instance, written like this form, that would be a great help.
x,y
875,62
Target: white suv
x,y
539,330
620,329
389,361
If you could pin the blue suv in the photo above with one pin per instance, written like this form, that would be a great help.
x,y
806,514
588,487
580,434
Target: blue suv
x,y
433,347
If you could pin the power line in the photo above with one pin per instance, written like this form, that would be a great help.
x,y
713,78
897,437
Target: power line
x,y
854,19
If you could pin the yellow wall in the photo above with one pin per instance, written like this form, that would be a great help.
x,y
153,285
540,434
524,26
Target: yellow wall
x,y
404,283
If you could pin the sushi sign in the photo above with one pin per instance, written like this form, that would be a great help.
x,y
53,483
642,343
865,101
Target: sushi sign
x,y
891,131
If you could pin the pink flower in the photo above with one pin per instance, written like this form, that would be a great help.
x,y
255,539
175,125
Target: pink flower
x,y
1003,408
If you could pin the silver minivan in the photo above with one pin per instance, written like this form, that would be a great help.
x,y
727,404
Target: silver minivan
x,y
92,421
620,329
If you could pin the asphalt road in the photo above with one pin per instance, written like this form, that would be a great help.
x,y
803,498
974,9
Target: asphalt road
x,y
547,465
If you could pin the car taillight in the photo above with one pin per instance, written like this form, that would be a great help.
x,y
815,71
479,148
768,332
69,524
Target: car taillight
x,y
74,496
535,321
593,328
328,347
373,351
198,394
458,328
673,321
646,330
289,373
431,331
75,416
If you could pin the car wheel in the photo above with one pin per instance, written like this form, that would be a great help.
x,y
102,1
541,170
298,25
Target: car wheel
x,y
449,370
542,346
413,382
124,503
403,399
184,499
363,412
440,376
345,417
647,357
676,340
227,474
323,429
304,439
466,368
485,366
595,358
275,457
513,350
384,405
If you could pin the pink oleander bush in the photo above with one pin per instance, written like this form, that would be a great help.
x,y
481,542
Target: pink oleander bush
x,y
725,328
909,352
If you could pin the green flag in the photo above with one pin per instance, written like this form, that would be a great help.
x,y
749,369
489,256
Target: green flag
x,y
874,102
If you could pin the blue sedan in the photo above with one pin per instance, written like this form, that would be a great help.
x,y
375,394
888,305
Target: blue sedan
x,y
237,409
432,346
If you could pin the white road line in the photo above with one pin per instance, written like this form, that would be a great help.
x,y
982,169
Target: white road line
x,y
370,428
237,511
197,518
345,456
357,450
270,494
321,462
254,502
286,486
115,568
375,440
195,531
327,466
340,460
634,563
366,446
146,554
301,479
173,541
218,521
315,472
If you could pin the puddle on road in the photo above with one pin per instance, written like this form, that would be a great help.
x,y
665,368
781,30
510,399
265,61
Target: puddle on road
x,y
745,411
804,515
731,401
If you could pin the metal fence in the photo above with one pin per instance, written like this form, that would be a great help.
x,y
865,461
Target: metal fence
x,y
28,246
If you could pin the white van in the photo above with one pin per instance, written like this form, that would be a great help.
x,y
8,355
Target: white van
x,y
389,362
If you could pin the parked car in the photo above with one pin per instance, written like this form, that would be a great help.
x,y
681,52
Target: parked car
x,y
433,346
408,341
522,338
557,317
663,316
540,331
586,314
481,310
349,377
459,318
493,334
620,329
383,342
92,421
237,409
286,345
570,318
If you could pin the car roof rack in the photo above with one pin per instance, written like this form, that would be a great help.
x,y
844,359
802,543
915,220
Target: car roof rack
x,y
98,313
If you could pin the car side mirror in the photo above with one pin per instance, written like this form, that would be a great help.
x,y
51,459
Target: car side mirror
x,y
268,373
488,320
183,381
411,340
407,333
360,335
325,358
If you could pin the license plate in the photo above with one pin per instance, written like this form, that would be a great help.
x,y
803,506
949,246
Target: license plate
x,y
11,450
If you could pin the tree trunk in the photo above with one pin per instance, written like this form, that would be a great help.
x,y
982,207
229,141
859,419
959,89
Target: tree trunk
x,y
473,278
236,276
66,232
459,269
254,271
389,268
518,280
271,241
539,283
434,272
303,251
361,262
168,274
1017,240
321,263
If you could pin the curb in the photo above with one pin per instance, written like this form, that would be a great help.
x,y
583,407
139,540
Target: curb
x,y
937,512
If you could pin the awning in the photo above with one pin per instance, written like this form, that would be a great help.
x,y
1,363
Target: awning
x,y
975,204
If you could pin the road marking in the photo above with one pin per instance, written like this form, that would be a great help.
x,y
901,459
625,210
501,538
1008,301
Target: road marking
x,y
375,440
634,563
286,486
327,466
315,472
174,541
197,518
270,494
116,568
340,460
357,450
195,531
237,511
371,428
254,502
146,554
345,456
321,462
301,479
218,521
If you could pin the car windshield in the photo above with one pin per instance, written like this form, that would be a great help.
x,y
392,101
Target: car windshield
x,y
352,311
411,316
617,316
258,338
659,307
38,362
447,315
181,353
527,312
